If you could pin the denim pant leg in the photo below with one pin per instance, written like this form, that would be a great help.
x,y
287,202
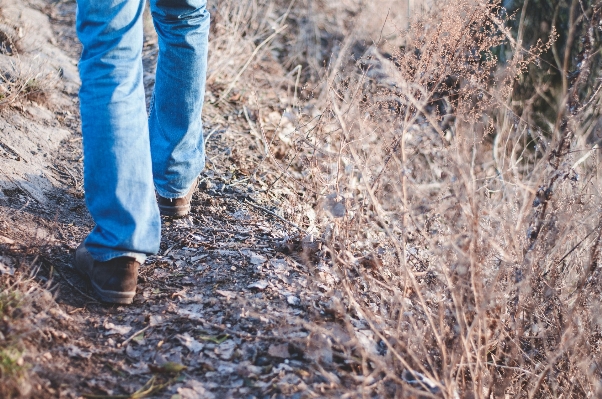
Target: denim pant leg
x,y
117,158
176,128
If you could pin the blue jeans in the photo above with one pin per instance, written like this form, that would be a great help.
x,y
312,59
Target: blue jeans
x,y
127,153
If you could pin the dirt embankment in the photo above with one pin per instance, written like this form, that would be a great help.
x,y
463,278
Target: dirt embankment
x,y
40,80
38,104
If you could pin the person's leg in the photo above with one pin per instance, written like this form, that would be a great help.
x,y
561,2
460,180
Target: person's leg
x,y
118,179
176,128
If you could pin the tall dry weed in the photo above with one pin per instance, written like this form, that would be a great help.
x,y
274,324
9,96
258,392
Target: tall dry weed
x,y
461,223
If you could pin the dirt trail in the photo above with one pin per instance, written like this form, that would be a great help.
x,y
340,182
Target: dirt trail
x,y
439,276
220,312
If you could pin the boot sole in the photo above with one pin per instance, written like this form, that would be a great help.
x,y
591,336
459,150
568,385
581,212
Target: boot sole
x,y
174,211
123,298
179,210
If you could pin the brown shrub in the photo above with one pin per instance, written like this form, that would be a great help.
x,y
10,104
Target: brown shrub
x,y
465,236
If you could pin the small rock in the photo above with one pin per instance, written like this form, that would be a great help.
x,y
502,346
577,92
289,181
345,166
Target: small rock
x,y
227,294
257,259
293,300
6,269
205,184
335,205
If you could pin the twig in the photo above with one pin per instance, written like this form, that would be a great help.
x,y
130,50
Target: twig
x,y
243,69
210,134
298,68
146,390
252,126
75,181
74,287
12,151
127,341
274,214
501,366
576,245
243,334
168,250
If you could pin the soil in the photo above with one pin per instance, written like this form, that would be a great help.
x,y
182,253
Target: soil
x,y
226,309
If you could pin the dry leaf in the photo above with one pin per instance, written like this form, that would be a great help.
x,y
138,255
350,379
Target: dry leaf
x,y
225,350
6,240
228,294
74,351
280,351
260,285
155,320
293,300
192,344
167,368
116,329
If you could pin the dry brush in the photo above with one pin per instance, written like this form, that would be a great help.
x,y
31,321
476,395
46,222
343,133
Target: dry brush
x,y
462,230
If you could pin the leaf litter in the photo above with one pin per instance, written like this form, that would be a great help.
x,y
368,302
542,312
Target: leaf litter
x,y
220,307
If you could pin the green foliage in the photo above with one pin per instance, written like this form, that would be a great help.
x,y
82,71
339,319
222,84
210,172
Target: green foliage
x,y
11,364
13,370
9,300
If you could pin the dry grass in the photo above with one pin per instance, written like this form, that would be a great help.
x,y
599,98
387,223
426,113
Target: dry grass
x,y
21,83
23,303
22,77
465,236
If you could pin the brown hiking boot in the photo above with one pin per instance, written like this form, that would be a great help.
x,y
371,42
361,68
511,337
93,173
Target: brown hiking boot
x,y
113,281
176,207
